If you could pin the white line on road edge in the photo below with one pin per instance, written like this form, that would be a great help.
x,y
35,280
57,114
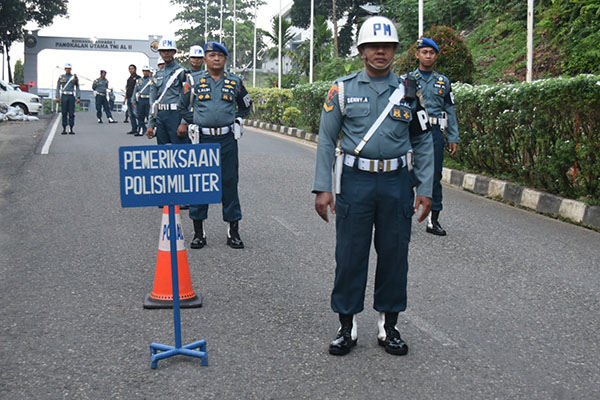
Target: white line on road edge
x,y
286,225
294,139
434,333
50,137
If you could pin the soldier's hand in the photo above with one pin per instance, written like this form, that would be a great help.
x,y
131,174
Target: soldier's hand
x,y
77,101
182,130
453,147
150,133
58,99
426,203
322,201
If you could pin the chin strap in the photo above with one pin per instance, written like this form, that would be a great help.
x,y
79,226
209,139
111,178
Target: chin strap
x,y
386,66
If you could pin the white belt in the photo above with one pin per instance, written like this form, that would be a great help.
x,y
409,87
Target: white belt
x,y
434,121
100,94
67,92
367,164
167,107
216,131
144,96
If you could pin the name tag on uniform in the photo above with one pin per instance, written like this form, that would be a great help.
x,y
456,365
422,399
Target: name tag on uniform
x,y
351,100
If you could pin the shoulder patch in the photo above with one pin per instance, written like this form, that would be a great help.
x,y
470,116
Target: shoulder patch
x,y
333,91
327,107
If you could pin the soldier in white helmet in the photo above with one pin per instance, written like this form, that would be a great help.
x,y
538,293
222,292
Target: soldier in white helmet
x,y
385,151
141,99
167,84
68,94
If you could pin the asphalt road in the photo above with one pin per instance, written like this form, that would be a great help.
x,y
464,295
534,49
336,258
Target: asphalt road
x,y
505,307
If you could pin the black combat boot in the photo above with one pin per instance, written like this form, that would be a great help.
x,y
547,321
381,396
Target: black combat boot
x,y
433,225
71,131
346,337
388,336
199,240
233,236
64,131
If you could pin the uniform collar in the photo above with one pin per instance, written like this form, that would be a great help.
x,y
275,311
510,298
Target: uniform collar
x,y
392,79
433,75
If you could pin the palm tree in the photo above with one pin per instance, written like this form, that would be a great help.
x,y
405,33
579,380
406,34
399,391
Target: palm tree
x,y
286,36
322,45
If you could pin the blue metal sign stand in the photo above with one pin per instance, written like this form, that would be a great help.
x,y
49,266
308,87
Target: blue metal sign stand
x,y
161,351
171,174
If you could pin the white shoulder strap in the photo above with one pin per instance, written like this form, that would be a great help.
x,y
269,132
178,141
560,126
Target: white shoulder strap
x,y
67,84
192,89
169,82
341,99
146,85
394,100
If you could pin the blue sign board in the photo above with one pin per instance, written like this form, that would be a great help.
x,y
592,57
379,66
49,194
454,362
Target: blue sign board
x,y
170,174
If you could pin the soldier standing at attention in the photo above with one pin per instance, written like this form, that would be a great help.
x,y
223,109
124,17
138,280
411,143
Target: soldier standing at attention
x,y
439,102
141,99
384,151
167,85
68,94
160,64
133,77
220,101
100,88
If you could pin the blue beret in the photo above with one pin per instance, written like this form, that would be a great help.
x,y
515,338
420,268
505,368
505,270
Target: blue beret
x,y
426,42
215,46
102,71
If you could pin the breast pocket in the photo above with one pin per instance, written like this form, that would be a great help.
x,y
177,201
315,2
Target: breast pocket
x,y
357,117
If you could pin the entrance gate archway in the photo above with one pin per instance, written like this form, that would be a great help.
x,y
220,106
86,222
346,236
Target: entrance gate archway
x,y
35,43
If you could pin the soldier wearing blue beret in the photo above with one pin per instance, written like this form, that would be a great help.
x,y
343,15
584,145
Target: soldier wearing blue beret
x,y
100,88
219,101
439,101
384,151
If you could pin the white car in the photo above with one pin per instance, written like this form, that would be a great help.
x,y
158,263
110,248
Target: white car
x,y
29,103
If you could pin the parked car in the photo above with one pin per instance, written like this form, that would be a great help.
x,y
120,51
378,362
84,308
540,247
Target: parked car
x,y
29,103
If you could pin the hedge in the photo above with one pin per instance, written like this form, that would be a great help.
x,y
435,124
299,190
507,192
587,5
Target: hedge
x,y
544,134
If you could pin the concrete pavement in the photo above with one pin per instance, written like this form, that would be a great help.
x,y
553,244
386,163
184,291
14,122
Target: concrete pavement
x,y
504,307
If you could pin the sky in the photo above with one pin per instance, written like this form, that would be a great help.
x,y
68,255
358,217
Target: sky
x,y
111,19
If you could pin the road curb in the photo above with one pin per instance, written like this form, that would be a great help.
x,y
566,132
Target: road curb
x,y
507,192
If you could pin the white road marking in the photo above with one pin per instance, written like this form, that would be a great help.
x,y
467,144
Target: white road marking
x,y
428,329
50,137
286,225
285,137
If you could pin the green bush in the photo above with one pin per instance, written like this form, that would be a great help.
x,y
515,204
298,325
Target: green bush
x,y
290,116
309,98
269,104
534,133
454,61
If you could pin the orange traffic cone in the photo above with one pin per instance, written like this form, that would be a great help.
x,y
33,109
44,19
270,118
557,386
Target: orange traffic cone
x,y
162,292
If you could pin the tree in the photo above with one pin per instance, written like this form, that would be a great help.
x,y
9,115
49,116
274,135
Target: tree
x,y
15,14
19,69
300,15
456,14
454,61
286,36
193,16
322,46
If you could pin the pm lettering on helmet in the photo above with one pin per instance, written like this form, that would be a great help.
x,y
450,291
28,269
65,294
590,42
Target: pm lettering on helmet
x,y
385,28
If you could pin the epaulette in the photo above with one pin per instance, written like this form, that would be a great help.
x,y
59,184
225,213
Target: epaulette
x,y
347,77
